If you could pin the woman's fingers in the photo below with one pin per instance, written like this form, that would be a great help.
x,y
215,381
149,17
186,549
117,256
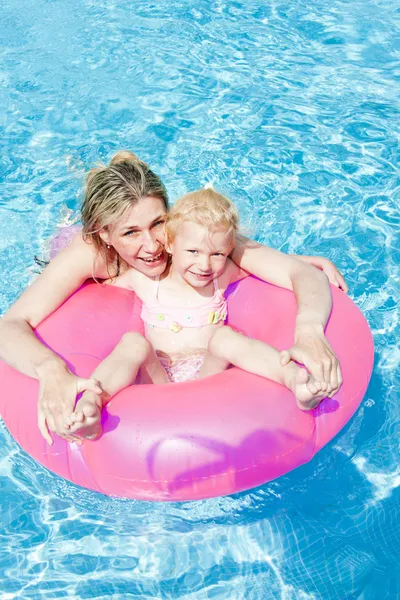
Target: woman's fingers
x,y
333,386
339,281
88,384
285,357
337,380
339,375
336,376
316,354
329,367
333,274
313,362
43,428
298,354
57,401
55,417
342,282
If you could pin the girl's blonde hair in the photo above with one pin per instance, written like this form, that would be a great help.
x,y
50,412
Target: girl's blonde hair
x,y
205,207
113,189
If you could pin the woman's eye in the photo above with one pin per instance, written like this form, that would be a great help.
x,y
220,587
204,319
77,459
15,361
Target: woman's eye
x,y
158,223
130,232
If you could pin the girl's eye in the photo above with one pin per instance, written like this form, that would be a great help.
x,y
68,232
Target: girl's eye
x,y
158,223
192,251
219,254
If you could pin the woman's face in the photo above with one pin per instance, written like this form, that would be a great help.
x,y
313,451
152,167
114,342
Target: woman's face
x,y
138,236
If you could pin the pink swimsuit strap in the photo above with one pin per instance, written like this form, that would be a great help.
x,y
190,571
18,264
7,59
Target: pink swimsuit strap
x,y
155,314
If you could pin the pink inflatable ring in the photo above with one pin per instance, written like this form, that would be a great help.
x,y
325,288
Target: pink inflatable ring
x,y
197,439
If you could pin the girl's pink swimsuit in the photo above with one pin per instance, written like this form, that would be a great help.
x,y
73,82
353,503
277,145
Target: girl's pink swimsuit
x,y
155,314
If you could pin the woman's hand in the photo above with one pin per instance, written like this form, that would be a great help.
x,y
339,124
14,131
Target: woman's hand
x,y
23,351
326,266
312,349
314,303
58,388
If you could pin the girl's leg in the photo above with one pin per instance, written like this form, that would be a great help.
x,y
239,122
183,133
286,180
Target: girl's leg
x,y
152,370
212,365
114,373
259,358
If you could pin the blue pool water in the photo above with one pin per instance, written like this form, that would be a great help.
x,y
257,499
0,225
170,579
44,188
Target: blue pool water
x,y
292,109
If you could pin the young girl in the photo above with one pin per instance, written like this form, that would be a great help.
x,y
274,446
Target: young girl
x,y
184,311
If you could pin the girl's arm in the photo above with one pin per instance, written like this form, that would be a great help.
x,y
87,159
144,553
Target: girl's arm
x,y
314,304
333,274
21,349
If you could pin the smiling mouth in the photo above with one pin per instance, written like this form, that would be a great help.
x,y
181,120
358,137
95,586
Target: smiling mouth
x,y
154,259
205,275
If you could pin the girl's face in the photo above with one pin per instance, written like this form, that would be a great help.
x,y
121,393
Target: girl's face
x,y
199,255
138,236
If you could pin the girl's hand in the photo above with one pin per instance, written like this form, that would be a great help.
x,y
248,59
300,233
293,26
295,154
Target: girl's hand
x,y
312,349
58,388
324,264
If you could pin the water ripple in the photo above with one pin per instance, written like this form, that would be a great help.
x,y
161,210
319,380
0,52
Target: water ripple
x,y
293,110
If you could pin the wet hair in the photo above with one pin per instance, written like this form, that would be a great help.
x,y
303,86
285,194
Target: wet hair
x,y
110,191
205,207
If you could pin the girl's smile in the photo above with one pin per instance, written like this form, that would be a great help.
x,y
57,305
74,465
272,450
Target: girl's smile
x,y
198,254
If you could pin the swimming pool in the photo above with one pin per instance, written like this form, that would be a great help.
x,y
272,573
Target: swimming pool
x,y
291,109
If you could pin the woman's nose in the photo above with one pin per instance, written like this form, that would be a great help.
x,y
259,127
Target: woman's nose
x,y
150,242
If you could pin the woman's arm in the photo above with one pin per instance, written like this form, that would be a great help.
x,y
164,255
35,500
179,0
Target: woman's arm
x,y
333,274
314,304
21,349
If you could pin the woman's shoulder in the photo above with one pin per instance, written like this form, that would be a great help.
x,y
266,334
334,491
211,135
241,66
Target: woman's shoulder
x,y
131,279
65,273
92,260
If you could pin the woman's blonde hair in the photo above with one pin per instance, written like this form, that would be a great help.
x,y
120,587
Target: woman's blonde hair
x,y
205,207
113,189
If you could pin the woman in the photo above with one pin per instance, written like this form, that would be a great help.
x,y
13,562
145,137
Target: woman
x,y
123,217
